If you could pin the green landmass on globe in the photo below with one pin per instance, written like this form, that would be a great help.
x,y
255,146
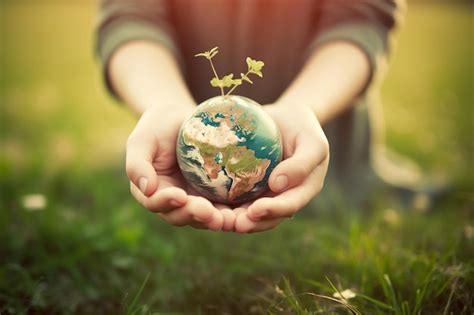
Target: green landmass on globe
x,y
228,147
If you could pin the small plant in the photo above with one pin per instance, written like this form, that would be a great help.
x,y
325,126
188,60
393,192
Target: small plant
x,y
228,81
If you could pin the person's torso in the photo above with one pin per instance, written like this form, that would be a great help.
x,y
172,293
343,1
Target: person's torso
x,y
276,32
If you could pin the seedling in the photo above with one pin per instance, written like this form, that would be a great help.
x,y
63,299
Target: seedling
x,y
228,81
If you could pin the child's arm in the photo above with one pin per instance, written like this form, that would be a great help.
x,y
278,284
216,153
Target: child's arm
x,y
332,77
145,74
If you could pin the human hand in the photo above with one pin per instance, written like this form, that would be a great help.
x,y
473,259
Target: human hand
x,y
298,178
155,179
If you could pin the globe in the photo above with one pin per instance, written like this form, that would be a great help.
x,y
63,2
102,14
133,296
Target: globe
x,y
227,149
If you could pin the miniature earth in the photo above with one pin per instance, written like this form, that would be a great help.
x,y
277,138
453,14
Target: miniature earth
x,y
227,149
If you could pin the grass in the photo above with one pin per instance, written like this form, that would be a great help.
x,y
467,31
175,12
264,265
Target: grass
x,y
93,250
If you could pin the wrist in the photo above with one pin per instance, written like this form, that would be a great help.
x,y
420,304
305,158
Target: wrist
x,y
318,110
292,106
177,109
176,105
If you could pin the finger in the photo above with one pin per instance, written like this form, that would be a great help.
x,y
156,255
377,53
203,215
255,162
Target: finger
x,y
163,200
197,210
177,217
141,149
203,211
289,202
308,154
266,225
217,221
228,215
239,211
244,224
229,219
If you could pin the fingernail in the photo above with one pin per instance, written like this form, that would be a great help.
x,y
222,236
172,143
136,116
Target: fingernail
x,y
175,203
281,182
142,184
258,215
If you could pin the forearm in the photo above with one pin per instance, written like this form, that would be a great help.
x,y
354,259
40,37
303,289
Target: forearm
x,y
145,74
330,80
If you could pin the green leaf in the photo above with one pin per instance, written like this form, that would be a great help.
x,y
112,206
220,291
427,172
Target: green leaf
x,y
249,62
208,54
203,54
237,82
215,82
227,80
259,73
244,77
258,65
254,65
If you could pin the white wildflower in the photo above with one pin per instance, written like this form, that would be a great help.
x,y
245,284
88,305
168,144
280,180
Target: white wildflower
x,y
391,216
278,290
469,232
34,202
344,295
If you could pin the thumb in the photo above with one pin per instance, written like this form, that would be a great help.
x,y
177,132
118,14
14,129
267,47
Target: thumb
x,y
310,150
141,151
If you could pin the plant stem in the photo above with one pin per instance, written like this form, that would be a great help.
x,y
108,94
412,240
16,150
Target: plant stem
x,y
235,86
215,74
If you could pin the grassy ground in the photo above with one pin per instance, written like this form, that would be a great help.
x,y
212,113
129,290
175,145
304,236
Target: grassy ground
x,y
93,250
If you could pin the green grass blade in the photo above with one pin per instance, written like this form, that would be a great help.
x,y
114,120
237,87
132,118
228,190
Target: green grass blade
x,y
343,300
388,287
420,294
131,308
375,302
453,288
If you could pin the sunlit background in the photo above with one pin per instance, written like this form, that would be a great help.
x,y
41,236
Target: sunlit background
x,y
73,240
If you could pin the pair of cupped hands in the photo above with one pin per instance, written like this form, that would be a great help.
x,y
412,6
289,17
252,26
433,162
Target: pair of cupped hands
x,y
157,184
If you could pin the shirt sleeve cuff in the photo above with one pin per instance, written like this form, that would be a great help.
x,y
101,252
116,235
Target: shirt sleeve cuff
x,y
122,31
363,35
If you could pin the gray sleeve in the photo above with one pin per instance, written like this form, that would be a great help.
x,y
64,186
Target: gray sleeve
x,y
123,20
366,23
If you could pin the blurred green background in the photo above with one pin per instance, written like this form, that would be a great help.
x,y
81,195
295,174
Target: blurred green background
x,y
82,245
